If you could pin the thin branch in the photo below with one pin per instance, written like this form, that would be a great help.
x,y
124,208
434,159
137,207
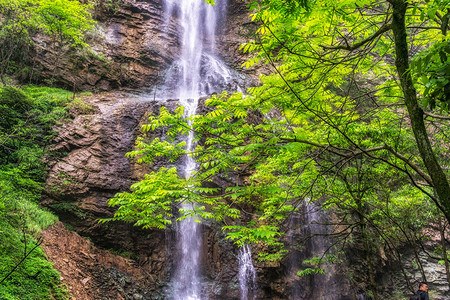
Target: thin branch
x,y
383,29
39,242
411,164
436,116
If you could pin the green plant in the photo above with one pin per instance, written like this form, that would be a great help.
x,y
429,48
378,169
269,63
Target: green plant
x,y
69,208
30,277
125,254
65,21
26,129
81,107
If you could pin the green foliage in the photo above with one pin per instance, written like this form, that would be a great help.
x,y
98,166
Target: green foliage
x,y
432,70
283,7
265,235
441,253
14,99
66,21
431,65
28,116
81,107
316,265
15,41
152,201
21,221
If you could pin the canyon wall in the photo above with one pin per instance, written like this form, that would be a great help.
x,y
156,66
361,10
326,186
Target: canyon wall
x,y
103,129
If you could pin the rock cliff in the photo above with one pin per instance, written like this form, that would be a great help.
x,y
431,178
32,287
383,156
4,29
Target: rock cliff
x,y
130,51
95,168
130,48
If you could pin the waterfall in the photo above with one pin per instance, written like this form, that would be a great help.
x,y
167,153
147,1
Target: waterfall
x,y
247,273
196,73
293,234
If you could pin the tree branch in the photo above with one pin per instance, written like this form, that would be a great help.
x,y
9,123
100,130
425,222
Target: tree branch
x,y
411,165
437,116
22,260
383,29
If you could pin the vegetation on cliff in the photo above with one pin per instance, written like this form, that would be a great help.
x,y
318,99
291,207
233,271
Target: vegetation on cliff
x,y
23,23
28,115
354,118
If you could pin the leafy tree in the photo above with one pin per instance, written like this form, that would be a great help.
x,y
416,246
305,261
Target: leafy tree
x,y
66,21
344,120
15,29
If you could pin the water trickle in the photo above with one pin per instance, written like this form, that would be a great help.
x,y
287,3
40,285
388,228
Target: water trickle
x,y
324,286
247,273
293,234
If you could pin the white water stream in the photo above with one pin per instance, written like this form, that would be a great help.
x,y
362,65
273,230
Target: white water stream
x,y
196,73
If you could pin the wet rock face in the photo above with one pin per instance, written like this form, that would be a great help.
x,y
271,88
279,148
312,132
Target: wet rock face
x,y
131,48
236,30
95,169
104,129
434,271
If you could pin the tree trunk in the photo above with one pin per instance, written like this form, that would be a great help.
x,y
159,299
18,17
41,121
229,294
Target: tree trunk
x,y
440,181
442,227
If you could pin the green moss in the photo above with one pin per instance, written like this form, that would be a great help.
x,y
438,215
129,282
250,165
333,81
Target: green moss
x,y
67,208
125,254
15,99
83,108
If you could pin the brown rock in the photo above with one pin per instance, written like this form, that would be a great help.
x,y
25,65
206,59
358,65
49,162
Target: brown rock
x,y
103,279
94,170
92,79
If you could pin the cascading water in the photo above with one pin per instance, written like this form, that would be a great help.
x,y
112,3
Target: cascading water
x,y
197,72
247,273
